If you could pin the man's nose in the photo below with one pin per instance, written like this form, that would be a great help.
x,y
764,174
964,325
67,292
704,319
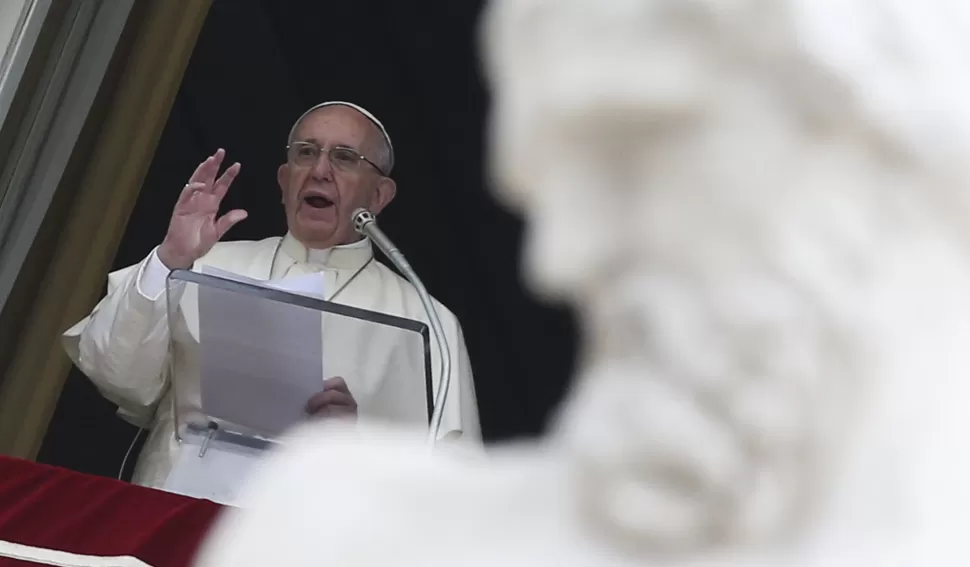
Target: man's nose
x,y
323,170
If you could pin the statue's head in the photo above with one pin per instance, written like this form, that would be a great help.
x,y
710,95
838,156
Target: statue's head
x,y
759,209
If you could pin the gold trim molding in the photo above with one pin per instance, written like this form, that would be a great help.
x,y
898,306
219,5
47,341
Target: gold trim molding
x,y
87,220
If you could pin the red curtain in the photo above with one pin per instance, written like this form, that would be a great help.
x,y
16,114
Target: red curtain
x,y
52,508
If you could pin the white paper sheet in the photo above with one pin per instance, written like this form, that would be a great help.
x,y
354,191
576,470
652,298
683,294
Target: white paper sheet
x,y
260,360
311,284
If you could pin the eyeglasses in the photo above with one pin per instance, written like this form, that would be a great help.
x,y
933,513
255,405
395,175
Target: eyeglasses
x,y
341,157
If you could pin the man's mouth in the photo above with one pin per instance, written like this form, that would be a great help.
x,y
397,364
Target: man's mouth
x,y
317,201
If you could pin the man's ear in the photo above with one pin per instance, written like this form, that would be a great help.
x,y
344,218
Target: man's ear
x,y
384,194
283,177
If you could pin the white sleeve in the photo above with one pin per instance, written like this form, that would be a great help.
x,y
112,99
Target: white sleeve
x,y
122,345
150,282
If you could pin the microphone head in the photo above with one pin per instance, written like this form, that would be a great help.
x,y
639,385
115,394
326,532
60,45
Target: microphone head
x,y
362,217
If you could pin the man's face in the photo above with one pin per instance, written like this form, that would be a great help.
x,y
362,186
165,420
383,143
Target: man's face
x,y
320,198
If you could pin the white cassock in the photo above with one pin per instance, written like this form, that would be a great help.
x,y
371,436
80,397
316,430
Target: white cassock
x,y
123,345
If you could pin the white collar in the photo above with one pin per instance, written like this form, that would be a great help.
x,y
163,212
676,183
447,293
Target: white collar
x,y
345,256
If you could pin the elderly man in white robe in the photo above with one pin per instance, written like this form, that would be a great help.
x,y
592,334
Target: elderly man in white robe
x,y
339,158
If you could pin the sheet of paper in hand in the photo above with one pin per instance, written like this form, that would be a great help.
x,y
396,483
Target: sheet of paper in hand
x,y
260,359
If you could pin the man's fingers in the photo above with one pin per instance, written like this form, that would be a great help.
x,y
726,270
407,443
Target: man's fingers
x,y
186,195
331,411
229,220
199,174
222,185
337,383
207,170
210,169
318,402
330,398
335,397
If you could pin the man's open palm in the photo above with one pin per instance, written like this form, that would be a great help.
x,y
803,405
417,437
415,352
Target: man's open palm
x,y
195,226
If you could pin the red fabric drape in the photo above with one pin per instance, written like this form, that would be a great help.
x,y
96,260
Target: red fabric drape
x,y
53,508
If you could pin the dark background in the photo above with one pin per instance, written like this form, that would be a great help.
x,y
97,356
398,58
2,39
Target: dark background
x,y
257,66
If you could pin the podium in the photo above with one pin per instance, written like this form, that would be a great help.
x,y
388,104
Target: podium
x,y
245,357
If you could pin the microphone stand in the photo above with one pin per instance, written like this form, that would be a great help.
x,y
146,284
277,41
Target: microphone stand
x,y
366,224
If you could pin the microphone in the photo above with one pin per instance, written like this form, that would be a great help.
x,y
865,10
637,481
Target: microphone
x,y
366,224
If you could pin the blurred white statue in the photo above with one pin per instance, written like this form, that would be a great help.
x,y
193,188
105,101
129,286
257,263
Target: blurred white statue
x,y
761,212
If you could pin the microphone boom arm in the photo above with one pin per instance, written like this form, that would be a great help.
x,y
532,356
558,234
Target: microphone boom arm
x,y
365,224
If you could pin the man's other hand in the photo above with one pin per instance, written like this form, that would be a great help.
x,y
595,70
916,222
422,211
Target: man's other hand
x,y
334,401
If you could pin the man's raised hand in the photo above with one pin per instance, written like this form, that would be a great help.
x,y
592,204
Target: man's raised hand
x,y
195,227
